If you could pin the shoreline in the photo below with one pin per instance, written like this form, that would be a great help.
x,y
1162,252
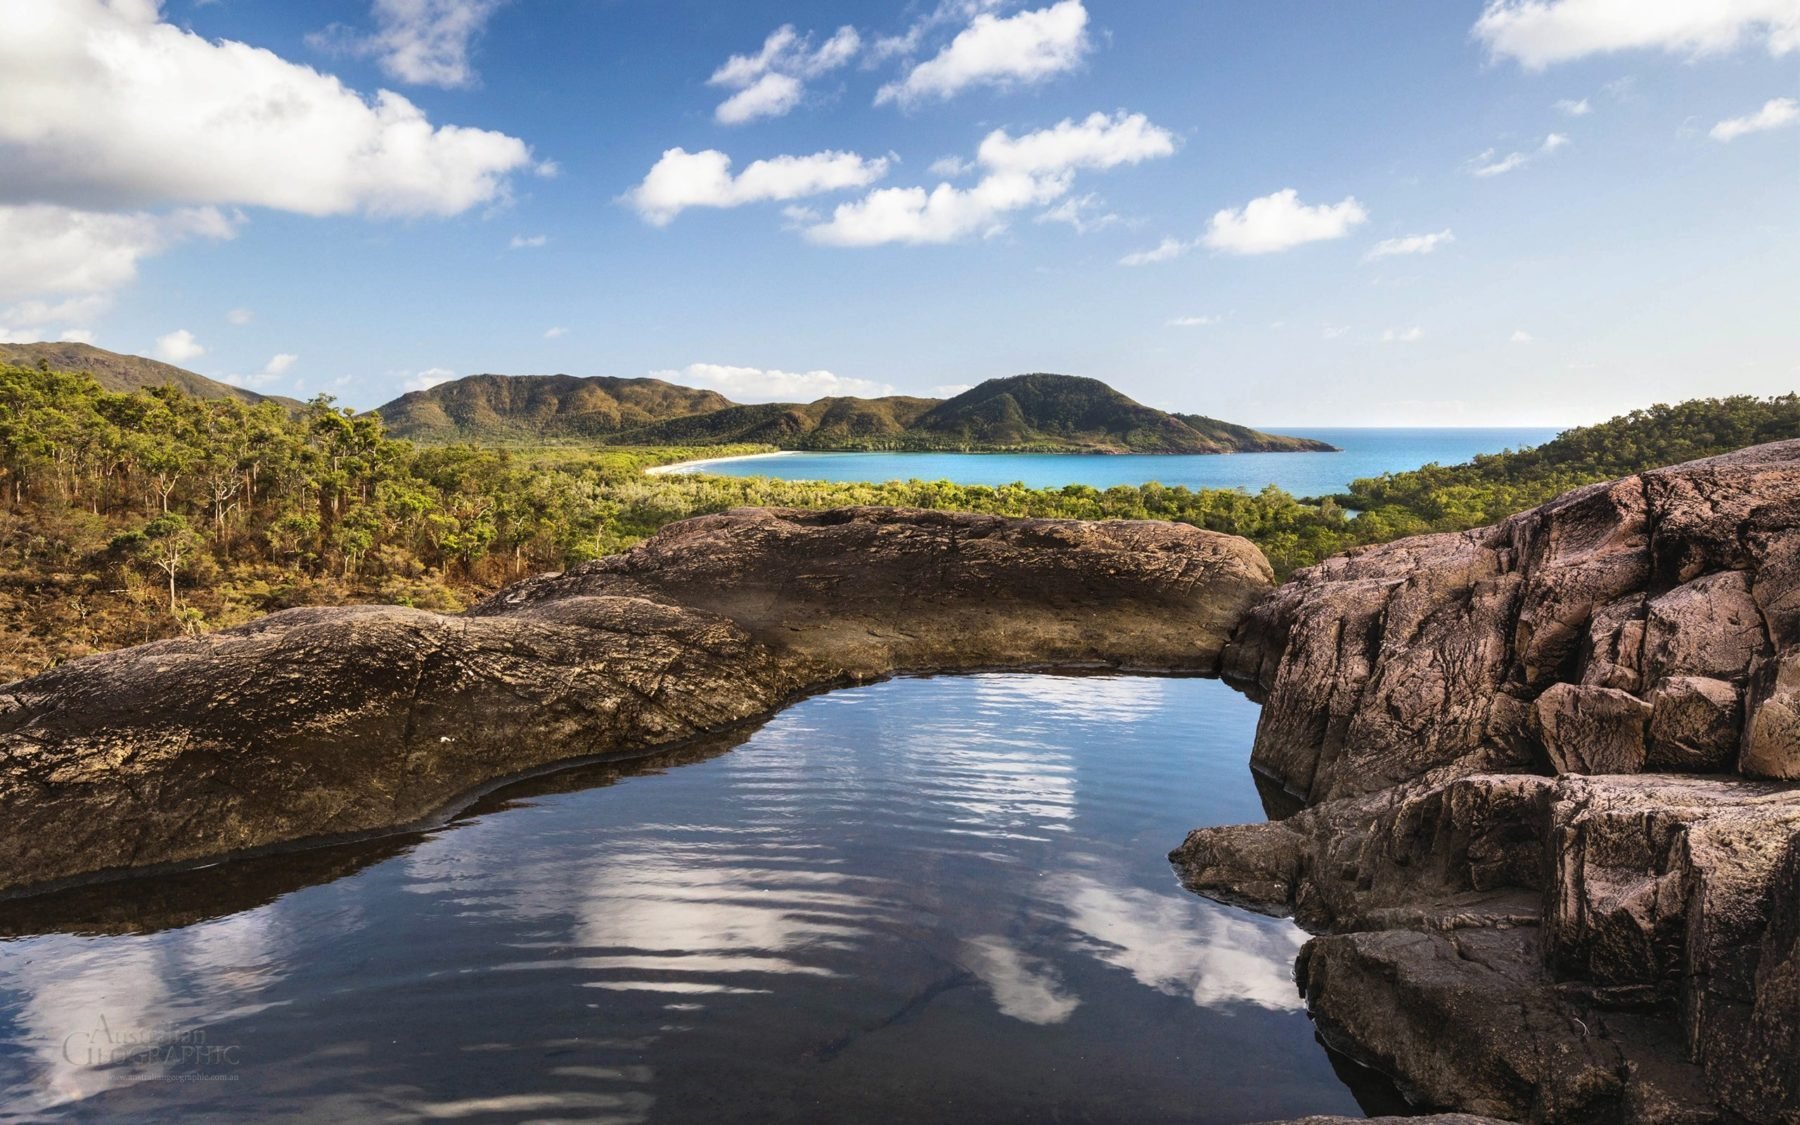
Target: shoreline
x,y
697,466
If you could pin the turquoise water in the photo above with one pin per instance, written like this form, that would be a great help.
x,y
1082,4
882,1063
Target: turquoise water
x,y
1366,453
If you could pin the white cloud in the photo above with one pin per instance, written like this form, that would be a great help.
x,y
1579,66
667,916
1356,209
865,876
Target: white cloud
x,y
773,81
52,249
944,214
1411,244
1523,337
1194,322
36,313
1099,141
240,317
555,333
1490,163
179,346
528,242
1281,222
1020,172
1774,114
423,42
272,371
33,320
1573,107
429,378
950,167
755,384
1083,212
951,390
1403,335
772,95
1165,251
683,179
107,107
1020,49
1540,32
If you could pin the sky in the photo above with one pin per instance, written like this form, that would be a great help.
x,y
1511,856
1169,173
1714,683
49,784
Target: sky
x,y
1308,213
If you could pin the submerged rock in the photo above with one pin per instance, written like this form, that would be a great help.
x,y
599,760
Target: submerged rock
x,y
1548,834
322,723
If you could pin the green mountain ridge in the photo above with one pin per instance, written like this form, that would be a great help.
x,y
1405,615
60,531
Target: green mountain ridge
x,y
123,374
1041,412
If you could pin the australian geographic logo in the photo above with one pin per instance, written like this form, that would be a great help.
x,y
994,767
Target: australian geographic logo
x,y
171,1048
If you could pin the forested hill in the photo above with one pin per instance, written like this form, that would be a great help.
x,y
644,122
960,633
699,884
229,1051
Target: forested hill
x,y
528,407
1025,412
1491,487
123,374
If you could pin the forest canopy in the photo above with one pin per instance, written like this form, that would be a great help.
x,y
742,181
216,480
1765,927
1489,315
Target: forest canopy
x,y
127,517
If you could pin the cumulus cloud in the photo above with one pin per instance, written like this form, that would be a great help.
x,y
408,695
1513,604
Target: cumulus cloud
x,y
1540,32
422,42
555,333
950,167
1165,251
52,249
1021,49
429,378
944,214
240,317
1194,322
1281,222
108,107
1099,141
683,179
179,346
756,384
1403,335
1774,114
1491,163
1574,107
528,242
773,81
1411,244
1032,170
1523,337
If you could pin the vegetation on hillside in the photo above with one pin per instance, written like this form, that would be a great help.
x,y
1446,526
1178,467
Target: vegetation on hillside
x,y
1045,413
126,373
132,517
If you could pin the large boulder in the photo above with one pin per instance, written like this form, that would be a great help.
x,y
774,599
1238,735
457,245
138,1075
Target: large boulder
x,y
321,723
1547,825
1642,624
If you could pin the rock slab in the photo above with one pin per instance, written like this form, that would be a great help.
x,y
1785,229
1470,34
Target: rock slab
x,y
317,724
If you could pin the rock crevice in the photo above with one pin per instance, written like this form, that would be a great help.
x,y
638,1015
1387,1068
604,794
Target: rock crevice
x,y
1551,835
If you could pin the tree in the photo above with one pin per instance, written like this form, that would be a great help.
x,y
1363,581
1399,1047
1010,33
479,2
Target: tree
x,y
168,544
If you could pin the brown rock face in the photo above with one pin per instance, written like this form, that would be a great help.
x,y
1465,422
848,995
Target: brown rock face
x,y
1532,914
320,723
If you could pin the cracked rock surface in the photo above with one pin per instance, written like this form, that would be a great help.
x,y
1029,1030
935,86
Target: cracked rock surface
x,y
1551,834
315,724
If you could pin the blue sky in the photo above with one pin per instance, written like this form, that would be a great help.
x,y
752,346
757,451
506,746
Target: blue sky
x,y
1454,213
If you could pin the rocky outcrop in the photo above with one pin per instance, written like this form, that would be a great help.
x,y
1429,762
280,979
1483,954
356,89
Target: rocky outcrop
x,y
1551,841
323,723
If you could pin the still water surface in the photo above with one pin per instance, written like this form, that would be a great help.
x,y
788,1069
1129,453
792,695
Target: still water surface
x,y
929,900
1365,453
